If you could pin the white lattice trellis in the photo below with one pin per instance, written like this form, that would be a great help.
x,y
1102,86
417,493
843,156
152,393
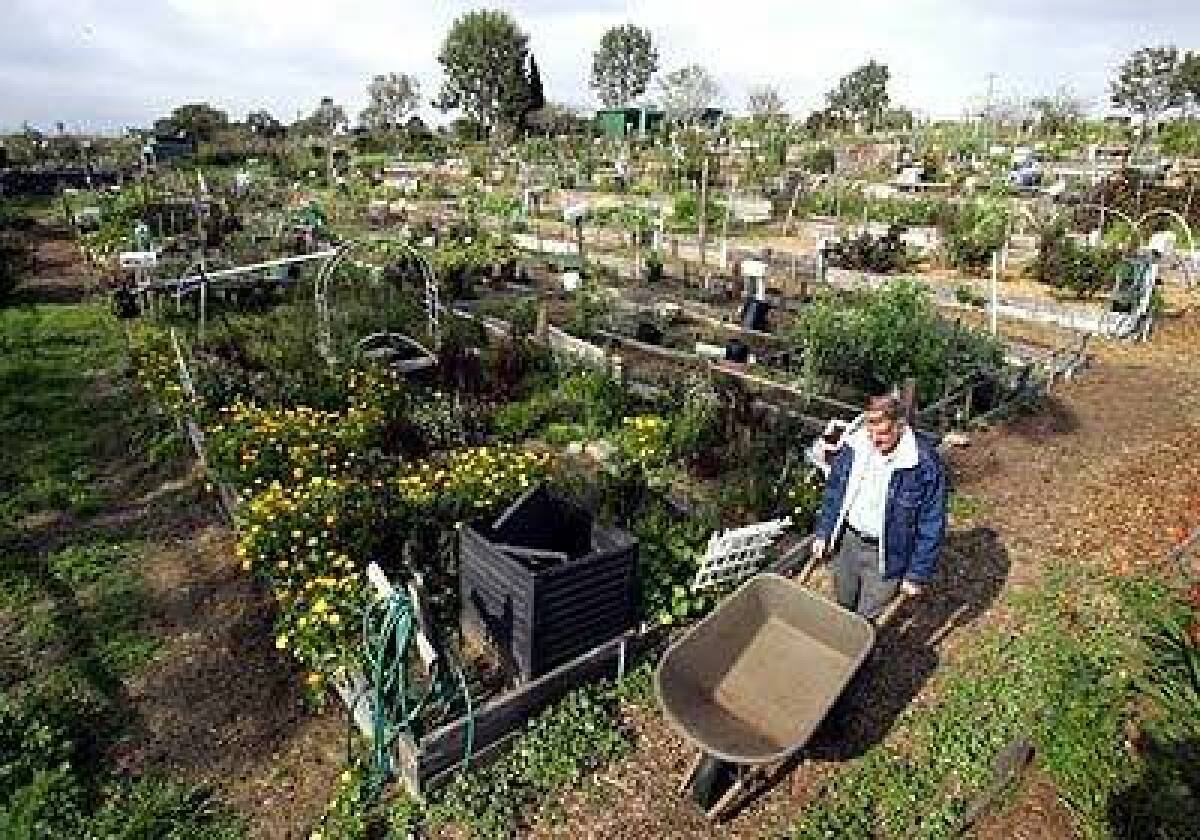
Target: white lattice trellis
x,y
737,554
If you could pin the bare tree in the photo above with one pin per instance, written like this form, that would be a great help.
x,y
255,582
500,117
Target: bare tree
x,y
1058,111
764,102
687,92
390,99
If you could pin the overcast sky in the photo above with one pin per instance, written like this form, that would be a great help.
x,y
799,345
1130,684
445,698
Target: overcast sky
x,y
103,64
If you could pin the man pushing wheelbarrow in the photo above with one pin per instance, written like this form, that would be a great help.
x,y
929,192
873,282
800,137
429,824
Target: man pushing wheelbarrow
x,y
884,509
751,682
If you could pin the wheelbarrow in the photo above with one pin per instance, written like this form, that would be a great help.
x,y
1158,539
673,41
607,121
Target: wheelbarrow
x,y
751,682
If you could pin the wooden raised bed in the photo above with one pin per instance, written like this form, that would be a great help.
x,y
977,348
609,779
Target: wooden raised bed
x,y
423,766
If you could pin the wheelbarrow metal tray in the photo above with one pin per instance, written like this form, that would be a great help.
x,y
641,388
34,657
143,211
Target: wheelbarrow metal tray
x,y
751,682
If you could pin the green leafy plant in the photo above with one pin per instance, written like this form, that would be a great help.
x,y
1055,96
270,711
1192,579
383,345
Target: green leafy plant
x,y
1080,269
886,337
558,747
974,232
669,551
880,255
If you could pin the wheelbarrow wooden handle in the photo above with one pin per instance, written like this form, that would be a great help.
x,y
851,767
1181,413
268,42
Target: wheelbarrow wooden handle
x,y
807,570
889,612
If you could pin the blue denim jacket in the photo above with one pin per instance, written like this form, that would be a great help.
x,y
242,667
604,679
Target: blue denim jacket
x,y
915,514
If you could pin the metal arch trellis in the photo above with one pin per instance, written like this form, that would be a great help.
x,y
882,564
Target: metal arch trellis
x,y
347,253
1187,229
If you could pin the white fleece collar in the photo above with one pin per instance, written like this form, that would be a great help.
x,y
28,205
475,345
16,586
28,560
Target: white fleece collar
x,y
903,458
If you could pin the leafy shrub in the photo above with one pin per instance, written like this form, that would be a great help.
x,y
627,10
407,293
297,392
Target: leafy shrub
x,y
974,232
520,420
669,551
594,399
879,255
819,161
886,337
685,213
908,211
1082,270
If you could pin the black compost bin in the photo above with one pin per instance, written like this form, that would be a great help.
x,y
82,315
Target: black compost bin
x,y
649,333
737,350
545,583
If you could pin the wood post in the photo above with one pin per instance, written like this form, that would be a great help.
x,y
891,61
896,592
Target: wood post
x,y
702,220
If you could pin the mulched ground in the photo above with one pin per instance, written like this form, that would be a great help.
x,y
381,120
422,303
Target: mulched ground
x,y
1103,471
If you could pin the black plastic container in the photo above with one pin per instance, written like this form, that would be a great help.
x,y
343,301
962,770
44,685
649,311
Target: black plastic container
x,y
649,333
737,350
544,583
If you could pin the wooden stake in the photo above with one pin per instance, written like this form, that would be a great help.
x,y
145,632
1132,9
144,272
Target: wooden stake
x,y
703,219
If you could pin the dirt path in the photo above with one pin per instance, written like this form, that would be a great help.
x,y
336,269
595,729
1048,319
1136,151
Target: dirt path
x,y
1100,473
217,706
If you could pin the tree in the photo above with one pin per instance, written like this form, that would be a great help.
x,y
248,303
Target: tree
x,y
623,64
483,58
197,121
687,92
1059,111
898,118
536,95
861,96
263,124
1189,81
1148,84
764,103
390,99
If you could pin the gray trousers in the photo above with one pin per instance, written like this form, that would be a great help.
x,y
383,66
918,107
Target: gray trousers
x,y
860,586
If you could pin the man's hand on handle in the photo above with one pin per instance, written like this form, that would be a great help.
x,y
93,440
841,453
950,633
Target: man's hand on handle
x,y
818,549
911,589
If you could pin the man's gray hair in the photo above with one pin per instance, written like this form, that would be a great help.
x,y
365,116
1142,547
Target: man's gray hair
x,y
889,405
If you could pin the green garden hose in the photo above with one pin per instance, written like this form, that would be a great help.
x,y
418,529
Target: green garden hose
x,y
389,637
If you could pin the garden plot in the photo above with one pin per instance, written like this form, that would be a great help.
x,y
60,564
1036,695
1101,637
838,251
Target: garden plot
x,y
338,464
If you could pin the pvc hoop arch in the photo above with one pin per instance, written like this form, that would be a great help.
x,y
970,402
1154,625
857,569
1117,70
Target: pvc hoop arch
x,y
1187,229
325,277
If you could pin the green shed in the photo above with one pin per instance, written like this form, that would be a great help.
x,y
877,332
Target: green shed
x,y
622,122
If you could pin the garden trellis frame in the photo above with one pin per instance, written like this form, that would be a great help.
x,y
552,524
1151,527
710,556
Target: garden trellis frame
x,y
202,280
348,254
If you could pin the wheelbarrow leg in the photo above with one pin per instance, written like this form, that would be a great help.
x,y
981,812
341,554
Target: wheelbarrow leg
x,y
690,774
741,784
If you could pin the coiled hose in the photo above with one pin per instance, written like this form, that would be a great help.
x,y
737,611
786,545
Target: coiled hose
x,y
389,641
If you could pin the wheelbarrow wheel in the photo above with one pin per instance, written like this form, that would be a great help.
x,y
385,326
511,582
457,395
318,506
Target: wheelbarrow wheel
x,y
712,780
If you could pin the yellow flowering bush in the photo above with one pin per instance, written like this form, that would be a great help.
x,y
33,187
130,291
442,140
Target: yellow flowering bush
x,y
311,538
251,446
471,482
156,370
644,441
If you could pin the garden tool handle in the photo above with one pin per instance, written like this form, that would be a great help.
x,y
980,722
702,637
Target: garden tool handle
x,y
806,570
889,612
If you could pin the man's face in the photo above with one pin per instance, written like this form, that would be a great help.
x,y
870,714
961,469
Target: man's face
x,y
884,431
